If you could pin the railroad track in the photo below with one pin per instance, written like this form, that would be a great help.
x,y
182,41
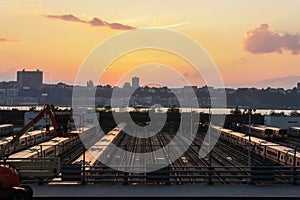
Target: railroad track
x,y
231,159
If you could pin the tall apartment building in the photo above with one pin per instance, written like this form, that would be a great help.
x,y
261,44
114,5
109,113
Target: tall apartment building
x,y
135,82
28,80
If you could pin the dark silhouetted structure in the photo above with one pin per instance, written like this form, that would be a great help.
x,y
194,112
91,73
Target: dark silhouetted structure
x,y
28,80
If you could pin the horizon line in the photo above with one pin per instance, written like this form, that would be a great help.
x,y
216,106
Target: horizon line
x,y
170,87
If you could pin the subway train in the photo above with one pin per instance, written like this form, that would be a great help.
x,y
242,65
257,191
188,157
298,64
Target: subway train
x,y
54,147
100,146
28,139
283,155
294,131
51,148
265,132
278,133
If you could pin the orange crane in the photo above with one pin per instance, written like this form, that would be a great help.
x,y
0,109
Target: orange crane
x,y
9,178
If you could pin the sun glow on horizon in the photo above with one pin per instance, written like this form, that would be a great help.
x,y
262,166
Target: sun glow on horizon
x,y
57,37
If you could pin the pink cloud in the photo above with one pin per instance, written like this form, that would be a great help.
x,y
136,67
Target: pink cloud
x,y
67,17
94,22
97,22
263,40
119,26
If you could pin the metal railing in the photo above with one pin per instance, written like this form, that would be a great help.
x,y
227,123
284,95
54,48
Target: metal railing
x,y
265,175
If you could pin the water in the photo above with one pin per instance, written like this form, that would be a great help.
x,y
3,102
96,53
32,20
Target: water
x,y
127,109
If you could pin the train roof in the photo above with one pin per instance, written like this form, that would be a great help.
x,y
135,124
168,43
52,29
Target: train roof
x,y
37,148
262,141
228,131
96,150
271,145
238,134
6,125
261,127
258,127
273,128
24,154
29,152
54,141
296,128
6,139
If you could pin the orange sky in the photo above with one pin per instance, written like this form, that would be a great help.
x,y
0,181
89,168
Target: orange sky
x,y
59,44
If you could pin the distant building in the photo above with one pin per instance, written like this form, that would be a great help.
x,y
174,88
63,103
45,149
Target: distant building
x,y
2,96
126,85
90,84
26,101
282,121
28,80
135,82
11,95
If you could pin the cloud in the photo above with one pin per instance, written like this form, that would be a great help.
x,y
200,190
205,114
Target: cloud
x,y
263,40
97,22
4,40
174,25
94,22
67,17
119,26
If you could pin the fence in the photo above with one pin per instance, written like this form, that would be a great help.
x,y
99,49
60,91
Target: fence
x,y
266,175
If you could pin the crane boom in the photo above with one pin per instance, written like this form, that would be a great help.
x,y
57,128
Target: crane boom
x,y
46,110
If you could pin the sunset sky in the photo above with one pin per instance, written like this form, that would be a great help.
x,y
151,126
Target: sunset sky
x,y
253,43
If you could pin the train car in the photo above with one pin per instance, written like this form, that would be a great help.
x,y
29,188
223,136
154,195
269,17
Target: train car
x,y
51,148
33,137
278,132
4,141
258,131
97,150
258,145
294,131
233,137
29,139
6,129
264,148
57,146
283,155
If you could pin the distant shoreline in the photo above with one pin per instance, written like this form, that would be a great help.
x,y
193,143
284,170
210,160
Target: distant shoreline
x,y
128,109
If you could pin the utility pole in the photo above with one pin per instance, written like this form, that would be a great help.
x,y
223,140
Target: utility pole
x,y
191,124
249,139
249,135
209,147
209,118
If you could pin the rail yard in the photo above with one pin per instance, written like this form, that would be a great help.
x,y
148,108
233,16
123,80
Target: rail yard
x,y
105,159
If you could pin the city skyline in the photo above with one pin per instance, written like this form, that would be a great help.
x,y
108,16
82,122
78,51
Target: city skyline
x,y
252,44
129,81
